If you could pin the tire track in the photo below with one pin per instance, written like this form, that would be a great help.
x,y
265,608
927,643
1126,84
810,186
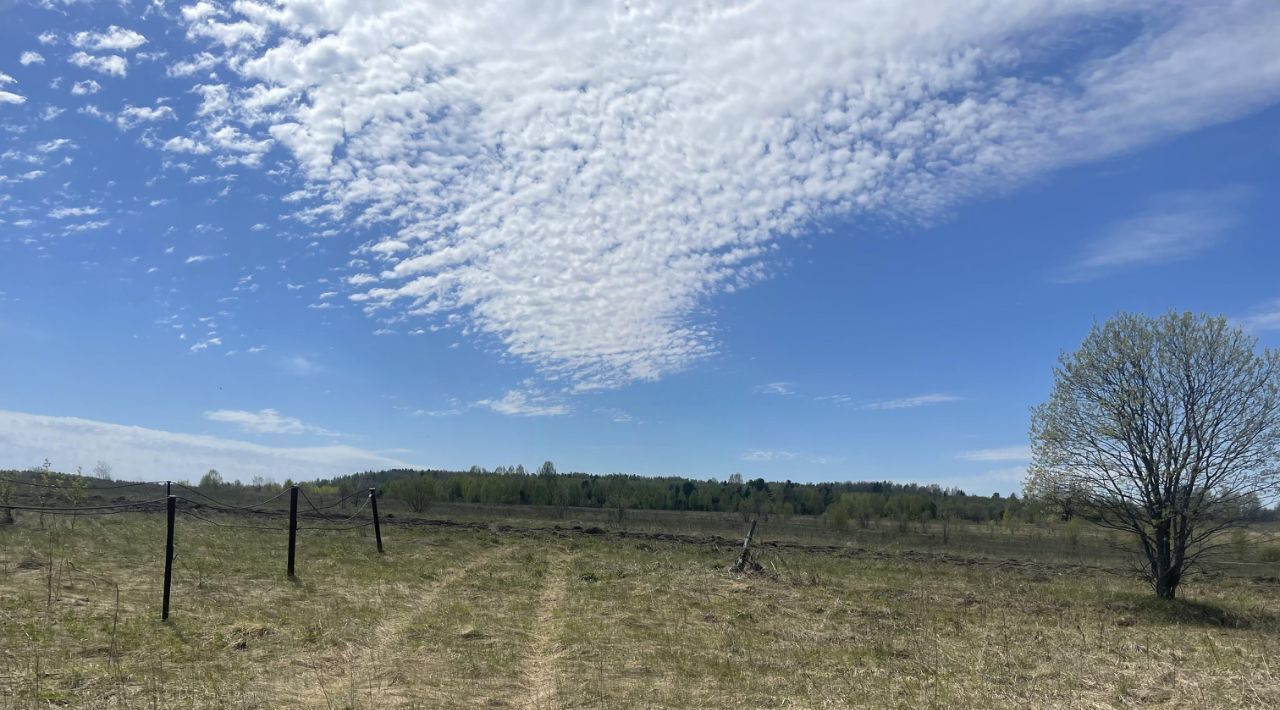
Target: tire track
x,y
542,661
354,672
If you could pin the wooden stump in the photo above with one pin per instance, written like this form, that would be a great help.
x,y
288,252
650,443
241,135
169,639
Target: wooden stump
x,y
744,560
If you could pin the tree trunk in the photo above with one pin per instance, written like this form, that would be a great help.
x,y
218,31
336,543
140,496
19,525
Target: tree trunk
x,y
1165,574
1166,584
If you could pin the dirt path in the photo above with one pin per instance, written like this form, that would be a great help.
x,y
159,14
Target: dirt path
x,y
358,673
539,671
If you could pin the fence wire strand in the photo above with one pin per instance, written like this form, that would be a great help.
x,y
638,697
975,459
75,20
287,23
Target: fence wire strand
x,y
33,484
228,505
339,502
228,525
53,509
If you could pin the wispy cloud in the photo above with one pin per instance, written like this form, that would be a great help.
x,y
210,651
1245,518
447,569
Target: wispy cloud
x,y
1263,318
1174,226
779,388
152,454
782,455
206,343
451,412
265,421
198,258
301,366
839,400
525,211
29,58
758,455
65,212
615,414
529,402
924,400
1005,453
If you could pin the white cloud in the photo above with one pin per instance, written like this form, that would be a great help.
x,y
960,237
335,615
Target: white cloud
x,y
198,258
8,97
923,400
301,366
632,161
452,412
183,144
112,64
839,400
1006,453
1263,318
65,212
265,421
529,402
779,388
6,79
152,454
761,455
55,145
618,415
1174,226
28,58
131,116
88,86
206,344
781,455
199,63
115,39
86,226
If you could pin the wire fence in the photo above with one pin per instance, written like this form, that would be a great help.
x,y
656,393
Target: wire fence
x,y
199,509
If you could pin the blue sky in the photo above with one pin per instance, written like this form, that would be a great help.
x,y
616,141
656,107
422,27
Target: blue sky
x,y
819,241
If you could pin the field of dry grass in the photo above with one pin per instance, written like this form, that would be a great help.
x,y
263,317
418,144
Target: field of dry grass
x,y
535,617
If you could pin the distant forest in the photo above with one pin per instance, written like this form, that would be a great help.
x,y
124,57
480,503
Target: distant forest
x,y
842,503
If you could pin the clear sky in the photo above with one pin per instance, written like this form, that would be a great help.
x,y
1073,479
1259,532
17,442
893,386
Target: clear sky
x,y
807,240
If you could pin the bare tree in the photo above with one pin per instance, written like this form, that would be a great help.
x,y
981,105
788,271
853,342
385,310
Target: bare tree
x,y
102,470
1164,428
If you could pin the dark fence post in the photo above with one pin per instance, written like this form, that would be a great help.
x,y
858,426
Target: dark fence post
x,y
168,488
168,560
377,526
293,524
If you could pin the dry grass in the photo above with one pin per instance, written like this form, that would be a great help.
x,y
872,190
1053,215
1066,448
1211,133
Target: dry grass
x,y
456,617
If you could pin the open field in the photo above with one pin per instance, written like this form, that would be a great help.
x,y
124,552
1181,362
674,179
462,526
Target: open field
x,y
517,613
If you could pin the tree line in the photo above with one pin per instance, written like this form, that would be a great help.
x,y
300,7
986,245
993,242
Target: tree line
x,y
843,503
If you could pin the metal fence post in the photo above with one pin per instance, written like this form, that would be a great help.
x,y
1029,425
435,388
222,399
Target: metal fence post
x,y
293,525
377,525
168,560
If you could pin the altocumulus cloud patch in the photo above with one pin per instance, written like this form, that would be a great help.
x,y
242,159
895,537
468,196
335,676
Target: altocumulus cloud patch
x,y
575,179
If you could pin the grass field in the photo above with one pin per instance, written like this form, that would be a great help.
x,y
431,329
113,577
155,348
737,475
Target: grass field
x,y
520,614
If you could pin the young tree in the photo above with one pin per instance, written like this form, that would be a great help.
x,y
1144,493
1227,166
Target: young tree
x,y
1161,428
417,493
211,480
